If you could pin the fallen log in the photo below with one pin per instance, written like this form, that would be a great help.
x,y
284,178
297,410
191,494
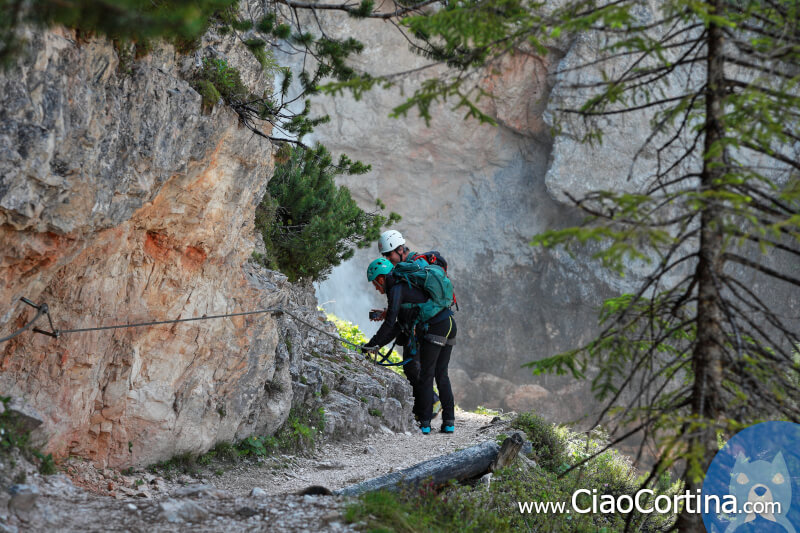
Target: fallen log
x,y
469,463
508,452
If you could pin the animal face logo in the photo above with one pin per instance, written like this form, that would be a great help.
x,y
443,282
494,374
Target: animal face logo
x,y
753,483
762,489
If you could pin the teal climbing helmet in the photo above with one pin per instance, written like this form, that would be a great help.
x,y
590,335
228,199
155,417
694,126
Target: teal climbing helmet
x,y
380,266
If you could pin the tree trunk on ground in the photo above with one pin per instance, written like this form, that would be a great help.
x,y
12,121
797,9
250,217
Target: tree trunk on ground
x,y
464,464
508,452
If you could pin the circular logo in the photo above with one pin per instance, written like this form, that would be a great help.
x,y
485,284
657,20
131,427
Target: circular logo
x,y
753,483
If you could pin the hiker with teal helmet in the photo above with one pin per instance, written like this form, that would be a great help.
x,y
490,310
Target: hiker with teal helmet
x,y
435,336
392,246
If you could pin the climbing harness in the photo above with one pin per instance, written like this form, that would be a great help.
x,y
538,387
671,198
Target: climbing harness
x,y
42,309
439,340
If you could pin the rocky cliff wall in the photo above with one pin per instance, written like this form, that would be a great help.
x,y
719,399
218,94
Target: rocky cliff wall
x,y
120,201
479,194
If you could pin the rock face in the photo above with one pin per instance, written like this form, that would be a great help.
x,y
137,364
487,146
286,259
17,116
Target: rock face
x,y
478,194
121,202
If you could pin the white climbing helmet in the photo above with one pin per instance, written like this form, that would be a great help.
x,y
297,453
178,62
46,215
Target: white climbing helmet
x,y
390,240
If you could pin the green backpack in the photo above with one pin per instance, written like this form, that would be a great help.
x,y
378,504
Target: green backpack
x,y
432,280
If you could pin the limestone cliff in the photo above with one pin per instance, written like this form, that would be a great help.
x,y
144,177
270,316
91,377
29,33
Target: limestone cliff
x,y
478,194
120,201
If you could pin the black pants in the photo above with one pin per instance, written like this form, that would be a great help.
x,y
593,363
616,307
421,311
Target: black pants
x,y
433,365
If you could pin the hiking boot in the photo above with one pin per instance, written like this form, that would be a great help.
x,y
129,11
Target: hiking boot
x,y
448,426
426,430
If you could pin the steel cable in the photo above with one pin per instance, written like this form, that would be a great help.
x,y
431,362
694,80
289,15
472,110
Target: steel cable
x,y
40,311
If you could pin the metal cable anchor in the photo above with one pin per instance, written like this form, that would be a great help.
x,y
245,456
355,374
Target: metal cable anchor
x,y
43,309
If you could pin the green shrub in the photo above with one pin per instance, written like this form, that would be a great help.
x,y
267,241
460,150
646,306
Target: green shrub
x,y
264,55
352,333
481,410
138,21
226,80
184,463
309,224
495,508
375,412
47,465
299,433
549,445
209,93
14,437
258,446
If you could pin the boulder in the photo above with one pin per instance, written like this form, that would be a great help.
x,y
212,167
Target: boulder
x,y
26,417
526,397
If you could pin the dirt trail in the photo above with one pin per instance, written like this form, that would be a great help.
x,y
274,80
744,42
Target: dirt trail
x,y
221,496
337,465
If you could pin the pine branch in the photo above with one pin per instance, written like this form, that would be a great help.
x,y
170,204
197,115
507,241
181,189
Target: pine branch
x,y
355,10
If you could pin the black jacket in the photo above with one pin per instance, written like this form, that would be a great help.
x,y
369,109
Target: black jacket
x,y
398,319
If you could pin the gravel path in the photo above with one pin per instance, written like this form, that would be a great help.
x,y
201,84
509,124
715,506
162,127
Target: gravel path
x,y
337,465
221,496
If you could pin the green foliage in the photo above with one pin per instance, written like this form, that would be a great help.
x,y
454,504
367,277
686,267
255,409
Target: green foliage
x,y
299,434
126,20
301,430
47,465
11,435
481,410
209,92
184,463
375,412
549,443
352,333
310,224
258,446
264,55
139,24
218,80
719,191
479,508
14,438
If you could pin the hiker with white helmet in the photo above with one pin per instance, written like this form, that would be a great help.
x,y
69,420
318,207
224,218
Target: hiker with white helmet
x,y
412,313
393,247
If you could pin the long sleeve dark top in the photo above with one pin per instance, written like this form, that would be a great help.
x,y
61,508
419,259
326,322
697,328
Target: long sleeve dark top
x,y
398,293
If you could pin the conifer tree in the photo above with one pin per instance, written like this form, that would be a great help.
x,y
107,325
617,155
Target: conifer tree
x,y
309,224
695,353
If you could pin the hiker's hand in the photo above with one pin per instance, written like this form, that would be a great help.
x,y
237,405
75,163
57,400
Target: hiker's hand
x,y
377,315
369,349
